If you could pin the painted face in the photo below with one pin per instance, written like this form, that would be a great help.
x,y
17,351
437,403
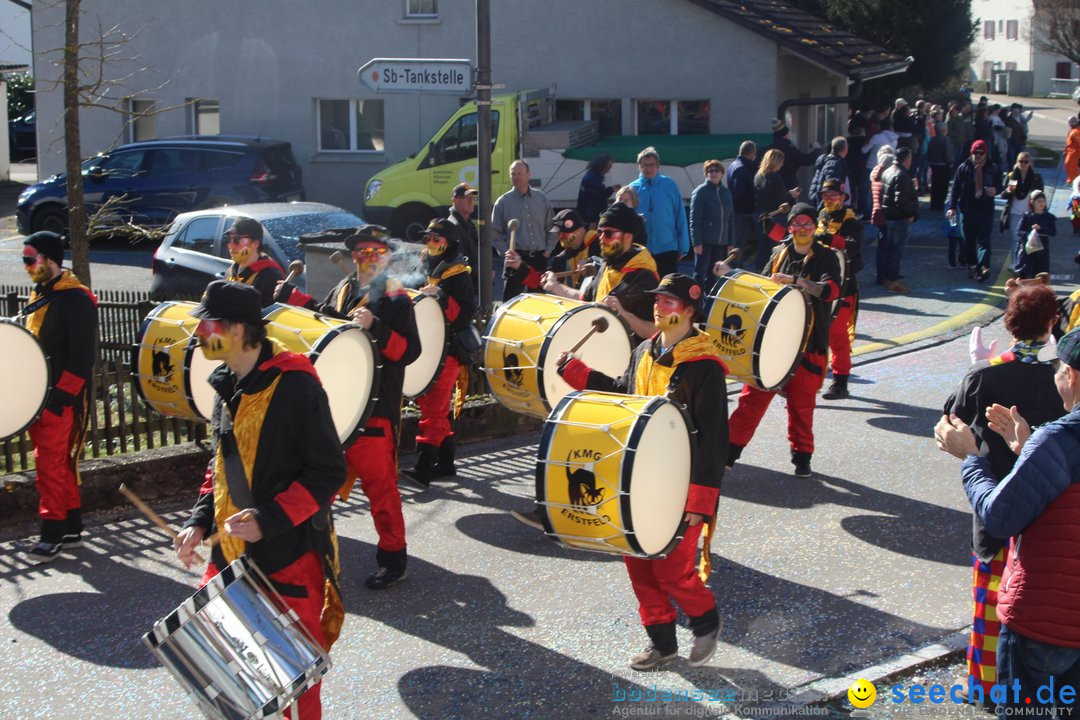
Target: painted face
x,y
242,248
669,312
435,244
611,242
37,267
214,338
571,239
370,257
833,201
802,230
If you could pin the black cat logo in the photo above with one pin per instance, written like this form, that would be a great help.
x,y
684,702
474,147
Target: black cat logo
x,y
582,488
511,370
731,329
162,368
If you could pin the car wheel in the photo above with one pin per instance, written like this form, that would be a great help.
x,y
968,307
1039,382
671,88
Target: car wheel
x,y
411,221
51,218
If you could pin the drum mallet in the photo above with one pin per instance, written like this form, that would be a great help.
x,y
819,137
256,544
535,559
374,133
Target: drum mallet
x,y
296,268
585,271
151,515
513,226
338,259
599,325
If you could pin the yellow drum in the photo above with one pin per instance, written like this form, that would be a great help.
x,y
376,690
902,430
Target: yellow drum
x,y
169,367
613,473
526,336
759,327
344,355
422,372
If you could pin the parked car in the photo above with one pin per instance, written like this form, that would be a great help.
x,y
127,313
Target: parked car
x,y
194,251
163,178
22,136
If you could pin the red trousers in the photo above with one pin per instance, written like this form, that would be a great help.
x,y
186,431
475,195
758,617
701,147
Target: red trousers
x,y
659,581
434,406
801,392
841,335
54,438
374,461
306,572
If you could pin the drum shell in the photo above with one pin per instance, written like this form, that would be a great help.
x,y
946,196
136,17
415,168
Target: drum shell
x,y
25,377
525,337
173,379
417,378
845,268
741,315
613,447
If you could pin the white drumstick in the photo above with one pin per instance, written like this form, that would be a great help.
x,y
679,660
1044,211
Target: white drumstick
x,y
338,259
513,226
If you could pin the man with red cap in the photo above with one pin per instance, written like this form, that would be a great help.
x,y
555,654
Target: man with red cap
x,y
680,362
62,314
972,195
813,268
250,265
841,230
378,303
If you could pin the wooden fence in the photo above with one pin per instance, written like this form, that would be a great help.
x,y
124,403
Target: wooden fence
x,y
119,421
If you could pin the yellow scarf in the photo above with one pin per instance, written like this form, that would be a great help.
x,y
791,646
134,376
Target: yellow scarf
x,y
578,259
827,223
652,378
66,281
643,260
449,273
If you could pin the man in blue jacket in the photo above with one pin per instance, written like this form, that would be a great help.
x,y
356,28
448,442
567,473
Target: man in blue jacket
x,y
830,167
711,230
1037,504
740,181
660,201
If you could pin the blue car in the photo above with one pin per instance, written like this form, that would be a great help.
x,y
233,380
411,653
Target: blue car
x,y
159,179
22,136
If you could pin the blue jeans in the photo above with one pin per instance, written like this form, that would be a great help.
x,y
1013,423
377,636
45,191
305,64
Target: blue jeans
x,y
884,248
745,238
979,225
898,231
704,262
1036,664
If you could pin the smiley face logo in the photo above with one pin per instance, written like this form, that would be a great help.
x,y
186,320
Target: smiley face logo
x,y
862,694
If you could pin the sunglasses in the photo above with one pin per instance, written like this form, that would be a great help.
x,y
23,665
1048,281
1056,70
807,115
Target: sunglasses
x,y
1025,162
370,252
712,171
30,259
979,153
234,238
611,233
802,225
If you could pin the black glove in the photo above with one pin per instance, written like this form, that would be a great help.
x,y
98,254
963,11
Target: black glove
x,y
284,292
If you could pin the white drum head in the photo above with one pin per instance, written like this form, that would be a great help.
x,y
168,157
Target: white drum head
x,y
660,477
431,324
781,340
346,364
607,352
201,392
24,378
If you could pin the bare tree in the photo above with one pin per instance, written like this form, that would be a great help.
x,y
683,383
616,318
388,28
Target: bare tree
x,y
1055,27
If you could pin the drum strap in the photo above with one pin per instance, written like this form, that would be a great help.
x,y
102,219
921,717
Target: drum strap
x,y
36,305
235,477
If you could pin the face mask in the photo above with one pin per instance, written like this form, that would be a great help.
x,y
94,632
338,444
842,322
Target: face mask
x,y
214,339
240,254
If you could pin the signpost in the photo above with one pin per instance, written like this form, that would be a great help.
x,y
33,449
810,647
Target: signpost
x,y
410,75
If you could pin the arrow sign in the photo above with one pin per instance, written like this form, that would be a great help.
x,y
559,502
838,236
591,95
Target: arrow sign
x,y
411,75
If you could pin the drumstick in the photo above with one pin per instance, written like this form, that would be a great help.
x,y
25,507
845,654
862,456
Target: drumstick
x,y
338,259
599,325
296,268
732,256
151,515
587,270
513,226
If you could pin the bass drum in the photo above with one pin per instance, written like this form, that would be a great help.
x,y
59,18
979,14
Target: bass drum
x,y
344,355
170,369
24,378
422,372
845,268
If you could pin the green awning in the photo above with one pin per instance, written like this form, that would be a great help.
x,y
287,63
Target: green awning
x,y
681,150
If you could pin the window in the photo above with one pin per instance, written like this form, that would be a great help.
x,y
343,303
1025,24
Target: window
x,y
458,143
200,235
1010,65
988,30
606,113
119,164
1012,30
988,70
351,125
205,117
1063,70
142,123
693,117
570,109
217,159
421,8
673,117
172,161
1001,26
653,117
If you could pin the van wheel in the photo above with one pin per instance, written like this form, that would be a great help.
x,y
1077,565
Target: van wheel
x,y
411,221
50,218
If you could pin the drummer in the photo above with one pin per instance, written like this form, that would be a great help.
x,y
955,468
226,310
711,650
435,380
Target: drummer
x,y
448,282
63,317
802,261
840,229
276,467
378,303
250,265
678,361
629,271
577,244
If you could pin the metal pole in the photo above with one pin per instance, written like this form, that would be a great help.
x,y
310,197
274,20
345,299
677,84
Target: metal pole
x,y
483,150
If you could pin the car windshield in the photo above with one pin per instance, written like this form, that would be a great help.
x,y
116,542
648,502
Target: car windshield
x,y
287,230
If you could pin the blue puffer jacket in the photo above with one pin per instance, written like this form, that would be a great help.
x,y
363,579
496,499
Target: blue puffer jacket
x,y
827,167
1039,503
660,202
711,215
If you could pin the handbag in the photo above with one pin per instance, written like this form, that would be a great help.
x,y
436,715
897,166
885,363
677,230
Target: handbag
x,y
1003,220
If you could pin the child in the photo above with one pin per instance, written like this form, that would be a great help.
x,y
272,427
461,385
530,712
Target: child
x,y
1033,258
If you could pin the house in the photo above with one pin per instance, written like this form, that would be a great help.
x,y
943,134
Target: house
x,y
289,70
1003,42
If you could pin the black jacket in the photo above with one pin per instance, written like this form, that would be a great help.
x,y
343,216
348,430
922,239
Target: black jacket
x,y
794,158
962,193
458,302
898,198
68,337
820,265
263,275
849,228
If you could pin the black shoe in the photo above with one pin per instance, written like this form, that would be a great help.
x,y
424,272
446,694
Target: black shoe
x,y
838,390
73,530
734,453
385,578
801,460
421,473
532,518
984,274
444,466
44,552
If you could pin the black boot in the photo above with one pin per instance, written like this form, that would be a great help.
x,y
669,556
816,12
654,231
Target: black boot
x,y
444,465
73,529
420,474
51,543
801,461
734,453
662,648
838,390
391,569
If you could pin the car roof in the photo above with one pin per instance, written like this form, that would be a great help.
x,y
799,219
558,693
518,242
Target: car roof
x,y
264,211
221,142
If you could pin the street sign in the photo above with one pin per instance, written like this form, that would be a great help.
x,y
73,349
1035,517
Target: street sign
x,y
429,75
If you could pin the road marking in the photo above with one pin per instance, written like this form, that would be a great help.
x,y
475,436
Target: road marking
x,y
1054,119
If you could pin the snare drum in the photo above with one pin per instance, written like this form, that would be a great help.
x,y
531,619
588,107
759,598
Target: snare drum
x,y
759,327
422,372
237,648
524,340
613,473
170,368
24,378
344,355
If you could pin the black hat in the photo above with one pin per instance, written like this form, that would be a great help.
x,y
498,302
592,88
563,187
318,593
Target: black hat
x,y
803,209
902,154
48,244
368,233
680,286
832,185
463,190
232,301
621,217
247,226
443,227
567,221
778,127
